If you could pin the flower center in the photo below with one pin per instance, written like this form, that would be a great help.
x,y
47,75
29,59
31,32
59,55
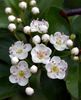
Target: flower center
x,y
19,51
21,74
41,54
55,69
58,41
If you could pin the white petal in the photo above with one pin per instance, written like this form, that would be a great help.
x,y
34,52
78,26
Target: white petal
x,y
22,65
13,79
46,60
23,81
57,34
48,67
27,73
52,39
55,59
61,75
63,65
52,75
27,47
14,70
24,55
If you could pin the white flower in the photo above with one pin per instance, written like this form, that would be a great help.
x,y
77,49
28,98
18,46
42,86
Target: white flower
x,y
35,10
23,5
8,10
34,26
20,73
29,91
56,68
27,29
40,54
69,43
75,51
36,39
45,38
32,2
43,26
59,41
12,27
14,60
34,69
20,50
39,26
11,18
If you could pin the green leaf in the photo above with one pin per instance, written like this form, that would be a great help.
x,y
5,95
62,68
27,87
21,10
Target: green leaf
x,y
72,79
54,89
6,40
6,88
3,16
4,69
56,21
44,4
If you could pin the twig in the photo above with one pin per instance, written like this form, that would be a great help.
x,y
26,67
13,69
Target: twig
x,y
72,12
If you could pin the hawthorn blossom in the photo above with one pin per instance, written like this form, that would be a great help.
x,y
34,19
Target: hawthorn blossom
x,y
20,50
41,54
56,68
39,26
59,41
20,73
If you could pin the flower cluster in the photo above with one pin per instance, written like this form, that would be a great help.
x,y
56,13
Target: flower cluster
x,y
40,49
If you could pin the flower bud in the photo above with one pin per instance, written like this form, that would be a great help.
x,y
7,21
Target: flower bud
x,y
8,10
29,91
73,36
35,10
45,38
14,60
27,29
34,69
32,2
19,20
11,18
12,27
75,58
36,39
75,51
69,43
23,5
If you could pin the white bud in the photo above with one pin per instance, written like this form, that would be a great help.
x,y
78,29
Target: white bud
x,y
45,38
69,43
11,18
35,10
75,51
12,27
27,29
75,58
8,10
32,2
14,60
19,20
36,39
34,69
23,5
29,91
